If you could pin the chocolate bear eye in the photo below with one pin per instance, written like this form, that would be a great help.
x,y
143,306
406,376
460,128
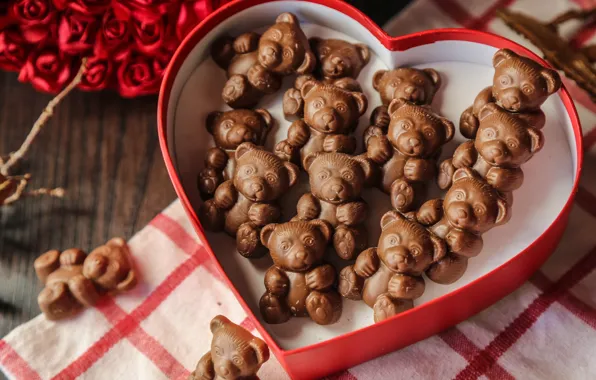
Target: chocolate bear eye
x,y
251,121
237,360
348,175
227,124
418,80
324,52
511,143
527,89
479,210
309,241
415,251
219,351
429,132
285,245
275,34
505,80
460,196
287,53
489,133
271,177
323,174
318,103
406,125
395,83
341,107
248,170
394,240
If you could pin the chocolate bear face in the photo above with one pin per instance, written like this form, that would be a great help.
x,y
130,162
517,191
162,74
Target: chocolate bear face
x,y
330,109
407,247
284,48
416,131
472,204
297,246
109,266
337,177
232,128
504,140
520,83
414,85
235,353
260,175
338,58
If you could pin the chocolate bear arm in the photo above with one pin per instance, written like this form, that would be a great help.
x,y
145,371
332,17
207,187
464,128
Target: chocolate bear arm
x,y
465,155
222,51
308,207
204,369
430,212
419,169
216,158
378,149
321,277
264,213
380,117
405,286
46,264
226,195
292,104
339,144
263,80
277,282
535,118
83,290
448,270
352,213
57,302
246,42
464,243
298,133
72,256
367,263
505,179
483,98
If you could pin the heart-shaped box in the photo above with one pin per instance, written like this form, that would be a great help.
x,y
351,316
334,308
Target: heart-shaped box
x,y
192,87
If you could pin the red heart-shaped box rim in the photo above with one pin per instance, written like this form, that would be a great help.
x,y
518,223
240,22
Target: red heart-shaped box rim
x,y
485,290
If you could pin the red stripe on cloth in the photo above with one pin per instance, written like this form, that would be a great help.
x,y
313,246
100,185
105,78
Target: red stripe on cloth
x,y
15,364
590,139
344,375
516,329
460,343
586,200
481,23
454,10
161,357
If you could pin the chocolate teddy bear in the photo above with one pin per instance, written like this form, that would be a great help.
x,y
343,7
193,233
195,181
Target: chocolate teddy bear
x,y
339,62
248,201
109,266
503,143
256,64
471,207
418,86
336,183
230,129
235,353
520,86
407,154
330,115
299,284
389,277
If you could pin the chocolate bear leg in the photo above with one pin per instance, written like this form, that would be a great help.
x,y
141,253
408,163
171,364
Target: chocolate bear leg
x,y
386,306
239,93
445,176
211,217
273,309
468,124
448,270
46,264
349,241
248,242
402,195
324,307
293,104
380,117
350,285
56,301
287,152
209,179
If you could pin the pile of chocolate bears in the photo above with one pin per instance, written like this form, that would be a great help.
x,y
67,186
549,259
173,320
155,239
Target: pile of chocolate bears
x,y
242,182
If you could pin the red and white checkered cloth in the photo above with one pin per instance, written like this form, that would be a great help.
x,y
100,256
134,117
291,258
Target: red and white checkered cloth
x,y
544,330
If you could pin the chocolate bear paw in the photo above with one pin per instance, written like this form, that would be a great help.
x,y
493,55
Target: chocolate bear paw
x,y
273,310
263,80
323,308
293,104
350,285
402,195
247,241
468,124
57,302
208,181
345,243
386,307
211,217
235,89
285,151
445,177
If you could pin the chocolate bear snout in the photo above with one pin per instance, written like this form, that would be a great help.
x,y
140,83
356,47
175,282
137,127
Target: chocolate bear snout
x,y
511,99
270,54
335,67
409,92
411,143
398,258
327,119
96,266
336,190
461,215
495,152
240,133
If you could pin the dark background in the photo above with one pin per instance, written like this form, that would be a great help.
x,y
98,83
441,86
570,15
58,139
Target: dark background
x,y
104,151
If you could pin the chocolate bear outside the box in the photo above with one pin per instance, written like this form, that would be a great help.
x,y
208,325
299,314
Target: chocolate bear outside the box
x,y
502,144
417,86
405,156
235,353
338,62
230,129
299,284
470,208
255,65
520,86
248,201
330,115
389,277
336,184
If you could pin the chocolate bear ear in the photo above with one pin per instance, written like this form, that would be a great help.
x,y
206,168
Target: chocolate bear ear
x,y
309,159
244,148
211,119
377,78
293,172
463,173
439,247
434,76
218,322
128,283
363,52
502,55
361,102
552,79
308,65
487,110
390,217
503,215
324,228
366,166
449,128
537,139
266,233
266,117
395,105
261,350
307,87
287,17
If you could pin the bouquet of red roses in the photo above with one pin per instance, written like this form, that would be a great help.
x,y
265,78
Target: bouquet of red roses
x,y
128,43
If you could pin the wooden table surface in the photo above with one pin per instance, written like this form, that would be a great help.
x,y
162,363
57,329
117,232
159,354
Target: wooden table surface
x,y
104,151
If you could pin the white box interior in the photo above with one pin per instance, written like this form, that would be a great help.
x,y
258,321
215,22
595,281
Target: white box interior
x,y
465,69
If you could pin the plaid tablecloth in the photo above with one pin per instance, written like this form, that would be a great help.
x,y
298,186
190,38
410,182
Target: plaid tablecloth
x,y
544,330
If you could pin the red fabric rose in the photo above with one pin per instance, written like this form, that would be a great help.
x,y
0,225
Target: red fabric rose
x,y
47,69
149,36
77,31
113,38
137,76
84,6
37,19
98,74
191,13
13,50
145,10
